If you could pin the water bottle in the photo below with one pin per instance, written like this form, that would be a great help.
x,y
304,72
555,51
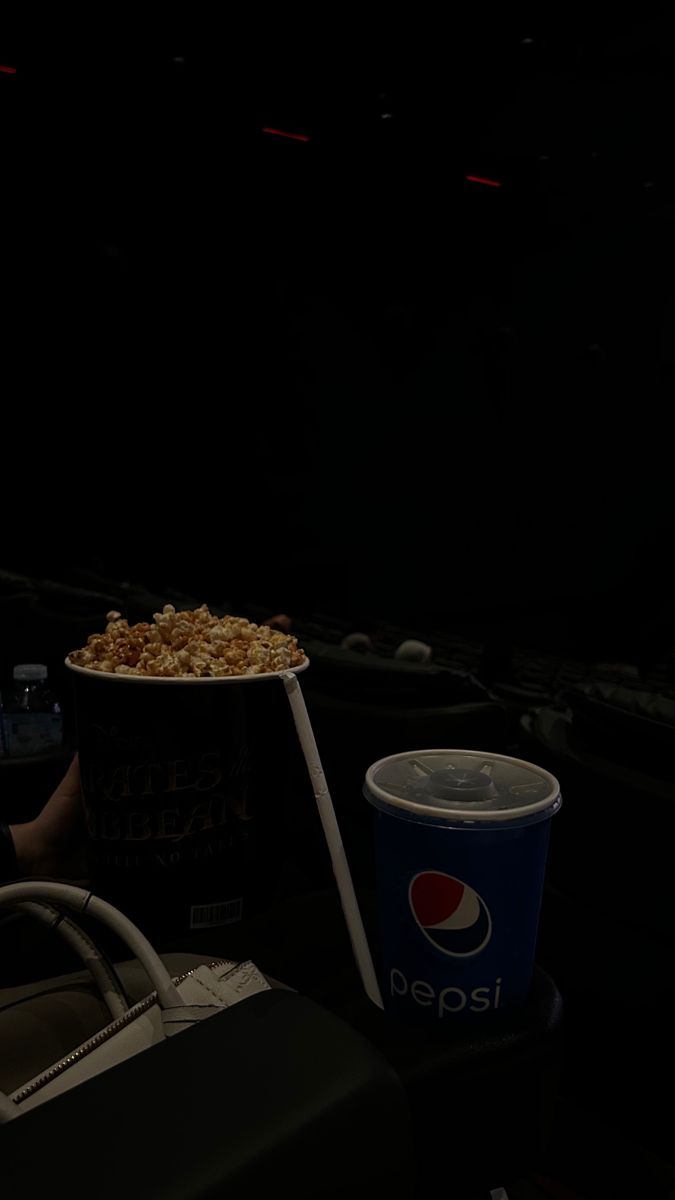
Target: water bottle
x,y
32,716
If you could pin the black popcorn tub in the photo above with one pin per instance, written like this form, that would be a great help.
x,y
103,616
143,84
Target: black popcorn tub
x,y
185,784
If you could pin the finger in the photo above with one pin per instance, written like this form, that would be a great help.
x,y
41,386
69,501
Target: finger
x,y
71,783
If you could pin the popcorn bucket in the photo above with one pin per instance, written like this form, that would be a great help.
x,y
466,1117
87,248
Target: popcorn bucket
x,y
185,782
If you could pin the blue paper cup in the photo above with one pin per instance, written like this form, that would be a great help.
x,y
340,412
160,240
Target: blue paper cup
x,y
461,844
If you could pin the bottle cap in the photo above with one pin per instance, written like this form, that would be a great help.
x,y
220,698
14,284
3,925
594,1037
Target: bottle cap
x,y
30,671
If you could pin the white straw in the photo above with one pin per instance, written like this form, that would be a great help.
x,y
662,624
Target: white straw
x,y
333,837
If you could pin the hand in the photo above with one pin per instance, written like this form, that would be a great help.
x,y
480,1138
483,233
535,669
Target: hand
x,y
54,843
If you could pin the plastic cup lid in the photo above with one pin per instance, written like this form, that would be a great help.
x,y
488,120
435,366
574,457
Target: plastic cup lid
x,y
461,785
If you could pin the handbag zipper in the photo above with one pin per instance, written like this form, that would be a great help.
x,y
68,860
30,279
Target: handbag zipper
x,y
100,1038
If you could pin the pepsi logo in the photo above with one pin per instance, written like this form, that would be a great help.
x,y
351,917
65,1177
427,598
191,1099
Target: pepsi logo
x,y
452,915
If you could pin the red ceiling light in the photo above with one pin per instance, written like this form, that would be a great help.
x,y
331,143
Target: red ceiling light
x,y
8,70
295,137
479,179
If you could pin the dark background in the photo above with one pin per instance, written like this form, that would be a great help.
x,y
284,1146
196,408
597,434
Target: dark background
x,y
334,375
336,378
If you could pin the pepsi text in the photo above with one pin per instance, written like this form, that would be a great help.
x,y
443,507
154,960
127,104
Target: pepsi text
x,y
448,1000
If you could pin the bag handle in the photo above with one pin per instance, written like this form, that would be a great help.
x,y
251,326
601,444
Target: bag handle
x,y
67,895
101,970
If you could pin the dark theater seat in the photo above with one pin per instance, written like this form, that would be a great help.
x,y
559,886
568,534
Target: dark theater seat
x,y
276,1096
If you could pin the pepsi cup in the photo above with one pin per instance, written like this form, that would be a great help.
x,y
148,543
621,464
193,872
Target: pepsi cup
x,y
461,843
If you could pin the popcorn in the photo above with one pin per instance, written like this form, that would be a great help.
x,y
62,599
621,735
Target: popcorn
x,y
194,644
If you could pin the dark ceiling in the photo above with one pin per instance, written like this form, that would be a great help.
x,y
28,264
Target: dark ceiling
x,y
434,325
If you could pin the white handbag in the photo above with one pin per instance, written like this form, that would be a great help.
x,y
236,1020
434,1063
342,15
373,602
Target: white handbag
x,y
171,1007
